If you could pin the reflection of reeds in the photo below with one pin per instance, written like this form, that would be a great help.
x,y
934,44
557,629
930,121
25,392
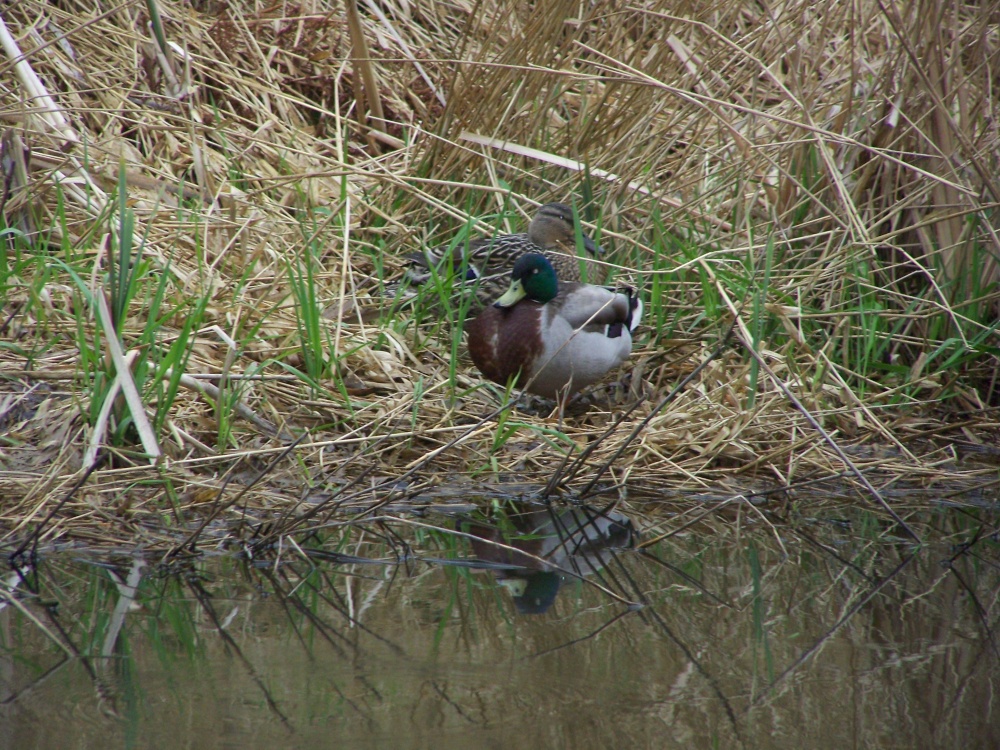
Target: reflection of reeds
x,y
743,623
824,185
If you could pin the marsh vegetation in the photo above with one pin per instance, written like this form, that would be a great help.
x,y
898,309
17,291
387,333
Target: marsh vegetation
x,y
203,205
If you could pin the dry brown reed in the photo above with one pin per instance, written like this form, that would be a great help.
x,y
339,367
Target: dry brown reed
x,y
843,139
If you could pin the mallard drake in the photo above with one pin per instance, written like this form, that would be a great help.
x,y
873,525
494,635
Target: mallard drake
x,y
556,338
552,233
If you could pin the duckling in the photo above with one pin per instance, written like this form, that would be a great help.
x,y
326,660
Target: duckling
x,y
556,338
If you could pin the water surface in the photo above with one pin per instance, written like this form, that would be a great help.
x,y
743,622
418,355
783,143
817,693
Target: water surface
x,y
583,629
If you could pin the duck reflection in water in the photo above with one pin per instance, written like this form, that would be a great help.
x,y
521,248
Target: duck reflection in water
x,y
532,548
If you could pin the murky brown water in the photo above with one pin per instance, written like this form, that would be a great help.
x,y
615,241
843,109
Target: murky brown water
x,y
828,634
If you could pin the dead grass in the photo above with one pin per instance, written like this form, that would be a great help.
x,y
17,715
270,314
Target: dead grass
x,y
823,176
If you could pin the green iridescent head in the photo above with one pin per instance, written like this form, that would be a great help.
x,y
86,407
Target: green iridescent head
x,y
532,277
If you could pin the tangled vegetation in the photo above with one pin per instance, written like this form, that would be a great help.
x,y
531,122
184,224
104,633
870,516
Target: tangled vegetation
x,y
203,203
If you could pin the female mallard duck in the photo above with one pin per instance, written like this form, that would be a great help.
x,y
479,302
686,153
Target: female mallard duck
x,y
552,233
556,338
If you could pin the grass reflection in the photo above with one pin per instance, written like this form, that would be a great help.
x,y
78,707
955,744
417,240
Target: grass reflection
x,y
715,630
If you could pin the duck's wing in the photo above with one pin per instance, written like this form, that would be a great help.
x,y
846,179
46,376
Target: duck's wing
x,y
493,256
482,254
597,308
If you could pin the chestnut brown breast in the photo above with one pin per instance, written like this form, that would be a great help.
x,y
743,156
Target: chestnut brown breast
x,y
501,339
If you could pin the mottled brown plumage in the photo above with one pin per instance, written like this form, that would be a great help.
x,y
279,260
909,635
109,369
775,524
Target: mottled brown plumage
x,y
552,233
